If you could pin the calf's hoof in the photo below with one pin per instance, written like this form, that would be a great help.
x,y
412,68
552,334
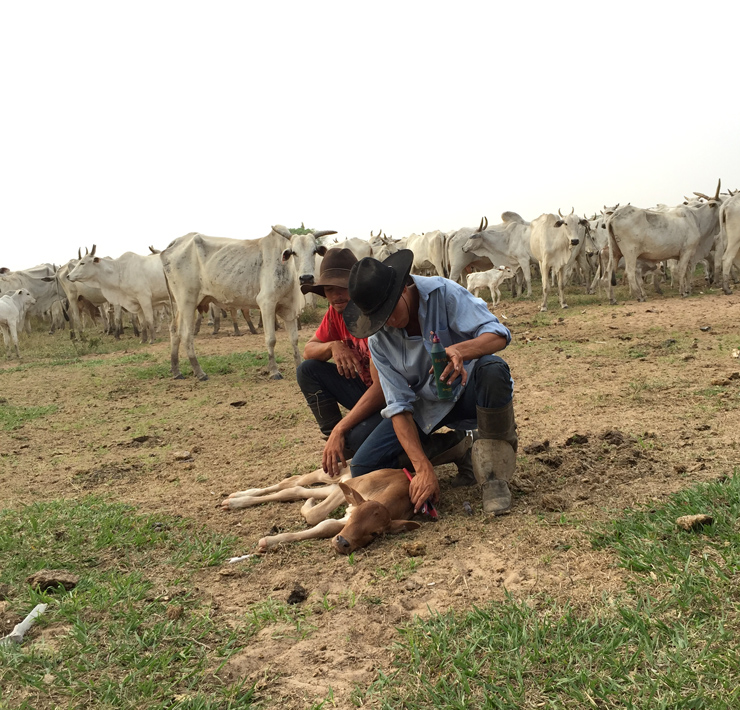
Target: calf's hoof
x,y
276,376
203,377
179,377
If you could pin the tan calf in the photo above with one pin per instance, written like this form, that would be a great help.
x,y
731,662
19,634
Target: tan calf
x,y
378,503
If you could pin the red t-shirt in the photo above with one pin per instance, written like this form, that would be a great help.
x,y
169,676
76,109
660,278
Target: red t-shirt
x,y
333,328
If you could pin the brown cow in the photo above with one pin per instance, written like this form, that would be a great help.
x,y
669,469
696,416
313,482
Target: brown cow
x,y
378,503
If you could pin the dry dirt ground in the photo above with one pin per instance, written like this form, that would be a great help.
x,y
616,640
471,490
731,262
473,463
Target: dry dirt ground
x,y
636,401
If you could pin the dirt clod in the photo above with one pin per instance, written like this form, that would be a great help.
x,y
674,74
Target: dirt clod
x,y
298,595
49,578
694,522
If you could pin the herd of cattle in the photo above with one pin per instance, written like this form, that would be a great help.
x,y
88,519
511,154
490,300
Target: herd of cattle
x,y
195,272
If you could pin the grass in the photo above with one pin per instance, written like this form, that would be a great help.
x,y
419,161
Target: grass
x,y
12,417
240,363
670,641
131,634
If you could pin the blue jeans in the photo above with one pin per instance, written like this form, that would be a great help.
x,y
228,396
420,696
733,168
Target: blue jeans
x,y
489,386
324,389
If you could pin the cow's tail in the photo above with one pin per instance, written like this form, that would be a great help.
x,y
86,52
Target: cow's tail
x,y
612,249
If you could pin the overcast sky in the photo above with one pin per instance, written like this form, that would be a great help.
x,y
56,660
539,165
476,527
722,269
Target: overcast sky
x,y
132,123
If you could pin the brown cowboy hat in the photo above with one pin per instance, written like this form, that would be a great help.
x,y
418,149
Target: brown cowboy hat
x,y
334,271
374,290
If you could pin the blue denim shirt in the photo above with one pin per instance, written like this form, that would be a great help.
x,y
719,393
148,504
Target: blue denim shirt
x,y
403,362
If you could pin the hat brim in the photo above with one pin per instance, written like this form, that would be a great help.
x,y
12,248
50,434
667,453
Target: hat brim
x,y
363,326
340,280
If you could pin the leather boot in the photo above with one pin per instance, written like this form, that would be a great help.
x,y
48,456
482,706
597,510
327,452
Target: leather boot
x,y
494,457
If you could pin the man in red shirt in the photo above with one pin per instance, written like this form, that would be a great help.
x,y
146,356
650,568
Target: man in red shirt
x,y
350,380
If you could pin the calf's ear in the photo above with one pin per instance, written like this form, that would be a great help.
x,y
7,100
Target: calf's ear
x,y
352,496
399,526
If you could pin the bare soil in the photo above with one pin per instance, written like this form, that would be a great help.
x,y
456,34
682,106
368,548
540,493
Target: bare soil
x,y
635,402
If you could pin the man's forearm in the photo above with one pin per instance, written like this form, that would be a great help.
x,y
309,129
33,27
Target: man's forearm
x,y
316,350
408,437
485,344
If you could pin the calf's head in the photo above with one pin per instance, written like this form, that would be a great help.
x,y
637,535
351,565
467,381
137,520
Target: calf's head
x,y
368,520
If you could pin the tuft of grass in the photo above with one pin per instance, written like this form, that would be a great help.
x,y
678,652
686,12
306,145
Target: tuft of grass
x,y
113,641
12,417
237,363
669,642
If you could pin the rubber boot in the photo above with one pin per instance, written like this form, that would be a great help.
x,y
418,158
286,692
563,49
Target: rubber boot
x,y
465,476
494,457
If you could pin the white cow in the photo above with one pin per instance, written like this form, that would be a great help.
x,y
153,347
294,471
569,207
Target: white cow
x,y
131,281
359,247
552,242
686,232
729,223
240,273
457,261
75,291
429,252
506,244
491,280
40,282
13,307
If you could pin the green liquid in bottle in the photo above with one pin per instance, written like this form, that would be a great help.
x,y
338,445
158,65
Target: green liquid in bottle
x,y
439,362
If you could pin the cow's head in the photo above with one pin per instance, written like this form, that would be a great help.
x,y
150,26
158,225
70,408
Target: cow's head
x,y
84,268
303,248
369,519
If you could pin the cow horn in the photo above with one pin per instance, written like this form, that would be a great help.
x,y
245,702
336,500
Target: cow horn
x,y
79,253
572,210
703,196
317,235
86,251
716,194
560,213
371,234
92,253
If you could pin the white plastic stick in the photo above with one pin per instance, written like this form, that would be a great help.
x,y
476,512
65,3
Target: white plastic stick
x,y
239,559
19,631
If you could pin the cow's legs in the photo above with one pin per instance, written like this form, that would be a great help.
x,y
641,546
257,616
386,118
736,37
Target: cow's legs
x,y
268,323
287,495
14,338
252,329
147,315
307,479
561,293
325,529
175,344
6,339
545,274
630,269
728,259
186,319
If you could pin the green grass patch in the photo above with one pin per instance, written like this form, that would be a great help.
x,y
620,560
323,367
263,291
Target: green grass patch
x,y
12,417
114,641
670,641
241,364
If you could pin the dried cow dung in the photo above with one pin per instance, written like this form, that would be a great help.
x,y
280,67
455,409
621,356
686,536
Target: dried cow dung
x,y
47,578
553,461
555,502
576,439
614,437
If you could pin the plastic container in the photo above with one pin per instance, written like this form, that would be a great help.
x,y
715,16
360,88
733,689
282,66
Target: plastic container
x,y
439,362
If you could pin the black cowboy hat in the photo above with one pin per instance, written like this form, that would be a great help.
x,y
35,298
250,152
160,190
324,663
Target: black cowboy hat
x,y
334,271
374,290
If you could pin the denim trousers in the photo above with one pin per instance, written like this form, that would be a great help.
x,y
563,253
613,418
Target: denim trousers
x,y
323,386
489,386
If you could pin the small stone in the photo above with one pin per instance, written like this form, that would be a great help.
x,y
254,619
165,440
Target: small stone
x,y
48,679
181,456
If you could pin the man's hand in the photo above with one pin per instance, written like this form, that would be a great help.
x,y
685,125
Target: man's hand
x,y
424,485
333,459
455,366
346,360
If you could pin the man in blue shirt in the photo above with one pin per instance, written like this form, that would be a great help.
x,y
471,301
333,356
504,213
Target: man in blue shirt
x,y
397,312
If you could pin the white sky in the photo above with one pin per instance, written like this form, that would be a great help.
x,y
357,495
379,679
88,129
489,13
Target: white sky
x,y
132,123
